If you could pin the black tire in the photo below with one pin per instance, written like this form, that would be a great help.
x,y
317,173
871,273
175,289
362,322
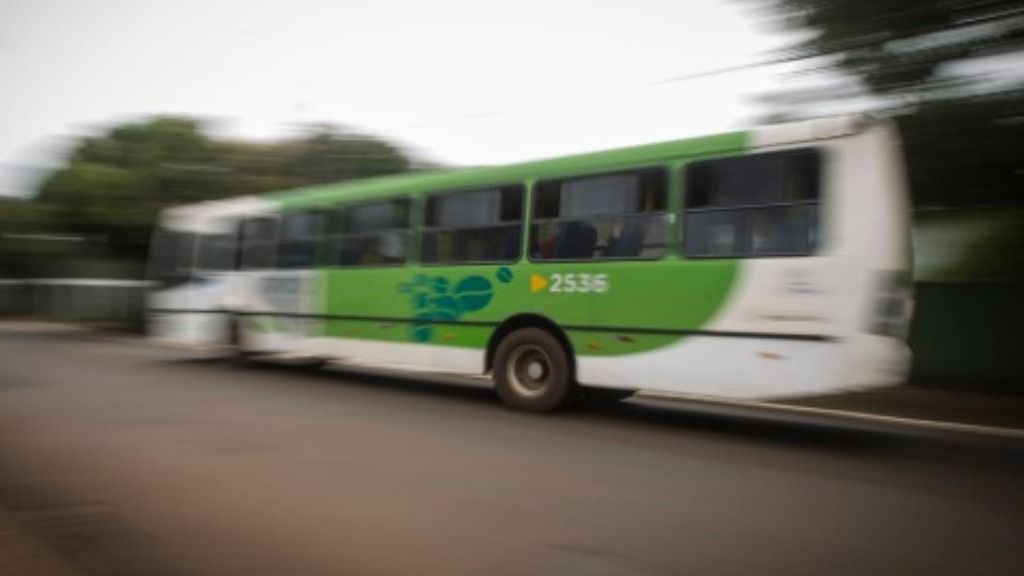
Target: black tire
x,y
605,396
532,371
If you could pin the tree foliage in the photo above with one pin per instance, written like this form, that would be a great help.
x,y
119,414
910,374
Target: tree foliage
x,y
113,185
900,47
951,72
940,67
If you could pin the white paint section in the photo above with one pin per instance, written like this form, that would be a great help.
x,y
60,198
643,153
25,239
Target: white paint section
x,y
746,368
806,131
208,291
752,368
290,293
795,296
399,355
214,217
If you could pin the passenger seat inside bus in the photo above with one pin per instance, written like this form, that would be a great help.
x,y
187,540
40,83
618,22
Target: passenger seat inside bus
x,y
630,241
576,240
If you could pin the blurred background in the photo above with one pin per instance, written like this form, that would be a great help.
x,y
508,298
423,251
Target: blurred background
x,y
121,457
114,110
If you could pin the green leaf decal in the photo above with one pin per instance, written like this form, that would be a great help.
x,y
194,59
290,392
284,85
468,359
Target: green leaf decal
x,y
421,330
440,285
474,293
445,306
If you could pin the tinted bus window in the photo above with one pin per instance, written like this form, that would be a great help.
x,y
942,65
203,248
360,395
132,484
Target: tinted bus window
x,y
374,234
172,256
296,246
474,226
600,217
217,252
259,240
753,206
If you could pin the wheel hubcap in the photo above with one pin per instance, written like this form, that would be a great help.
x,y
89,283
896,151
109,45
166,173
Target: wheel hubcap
x,y
528,370
535,371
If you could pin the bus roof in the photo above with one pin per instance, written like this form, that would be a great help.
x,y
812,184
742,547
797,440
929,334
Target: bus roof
x,y
451,179
608,160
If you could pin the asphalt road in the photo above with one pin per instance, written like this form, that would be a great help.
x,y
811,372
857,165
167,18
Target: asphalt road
x,y
119,457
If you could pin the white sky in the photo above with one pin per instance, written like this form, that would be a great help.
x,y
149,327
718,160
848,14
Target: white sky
x,y
461,82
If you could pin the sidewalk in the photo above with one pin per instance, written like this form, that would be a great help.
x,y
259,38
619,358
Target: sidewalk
x,y
997,409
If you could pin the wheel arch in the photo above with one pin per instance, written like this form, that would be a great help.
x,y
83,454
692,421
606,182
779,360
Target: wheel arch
x,y
528,320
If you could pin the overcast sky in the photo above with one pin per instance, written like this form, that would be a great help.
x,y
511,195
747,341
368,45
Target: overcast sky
x,y
461,82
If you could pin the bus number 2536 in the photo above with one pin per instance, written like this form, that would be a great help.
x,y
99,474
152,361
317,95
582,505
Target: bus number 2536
x,y
597,283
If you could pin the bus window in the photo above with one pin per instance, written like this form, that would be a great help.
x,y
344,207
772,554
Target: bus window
x,y
172,255
217,252
612,216
258,243
474,226
374,234
753,206
296,246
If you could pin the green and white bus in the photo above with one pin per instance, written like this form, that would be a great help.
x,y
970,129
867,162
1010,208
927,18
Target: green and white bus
x,y
758,264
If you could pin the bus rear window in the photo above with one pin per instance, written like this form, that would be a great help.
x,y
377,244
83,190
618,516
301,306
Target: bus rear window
x,y
753,206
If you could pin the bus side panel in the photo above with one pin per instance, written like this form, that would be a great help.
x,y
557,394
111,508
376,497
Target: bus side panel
x,y
879,275
728,367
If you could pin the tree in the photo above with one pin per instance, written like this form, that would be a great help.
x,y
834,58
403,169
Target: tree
x,y
326,155
113,185
930,65
899,47
949,72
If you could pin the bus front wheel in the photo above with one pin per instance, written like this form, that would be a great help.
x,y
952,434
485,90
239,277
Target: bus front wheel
x,y
532,371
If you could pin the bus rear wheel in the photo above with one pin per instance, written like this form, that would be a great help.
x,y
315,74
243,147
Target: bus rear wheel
x,y
532,371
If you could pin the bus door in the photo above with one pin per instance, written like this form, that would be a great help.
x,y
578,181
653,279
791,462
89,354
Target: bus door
x,y
170,311
257,328
291,290
278,257
212,277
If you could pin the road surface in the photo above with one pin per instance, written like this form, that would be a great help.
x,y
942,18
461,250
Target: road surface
x,y
120,457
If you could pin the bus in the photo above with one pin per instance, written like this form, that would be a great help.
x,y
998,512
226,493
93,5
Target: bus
x,y
759,264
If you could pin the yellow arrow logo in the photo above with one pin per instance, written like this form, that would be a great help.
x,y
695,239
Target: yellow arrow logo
x,y
537,283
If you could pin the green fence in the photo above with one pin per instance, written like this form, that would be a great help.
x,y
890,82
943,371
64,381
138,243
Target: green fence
x,y
968,334
114,303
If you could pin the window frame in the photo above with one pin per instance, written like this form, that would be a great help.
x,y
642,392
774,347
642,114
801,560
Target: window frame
x,y
422,230
666,214
820,156
333,237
